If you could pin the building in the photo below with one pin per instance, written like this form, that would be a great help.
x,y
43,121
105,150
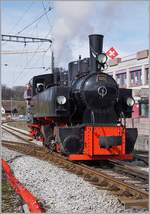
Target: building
x,y
8,108
133,72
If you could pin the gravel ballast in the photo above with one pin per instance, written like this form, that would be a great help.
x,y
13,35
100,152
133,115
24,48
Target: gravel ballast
x,y
59,190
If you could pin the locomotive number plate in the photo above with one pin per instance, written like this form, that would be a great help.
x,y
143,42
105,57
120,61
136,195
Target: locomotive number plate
x,y
101,77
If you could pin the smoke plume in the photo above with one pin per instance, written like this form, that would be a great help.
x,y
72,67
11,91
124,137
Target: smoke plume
x,y
73,24
72,20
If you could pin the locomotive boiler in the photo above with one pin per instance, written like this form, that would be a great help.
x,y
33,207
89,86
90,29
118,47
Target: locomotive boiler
x,y
81,112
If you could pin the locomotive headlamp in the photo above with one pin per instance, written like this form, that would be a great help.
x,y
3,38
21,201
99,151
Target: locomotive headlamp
x,y
102,58
130,101
61,100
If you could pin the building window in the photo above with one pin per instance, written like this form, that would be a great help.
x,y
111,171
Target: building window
x,y
147,75
121,79
144,108
135,77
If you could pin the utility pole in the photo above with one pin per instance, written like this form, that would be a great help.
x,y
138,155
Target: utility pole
x,y
52,62
11,105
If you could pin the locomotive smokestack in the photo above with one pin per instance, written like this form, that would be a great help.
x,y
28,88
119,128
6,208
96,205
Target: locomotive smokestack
x,y
96,46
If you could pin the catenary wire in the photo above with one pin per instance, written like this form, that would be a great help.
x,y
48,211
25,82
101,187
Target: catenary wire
x,y
20,19
42,66
49,24
37,19
11,52
28,63
45,11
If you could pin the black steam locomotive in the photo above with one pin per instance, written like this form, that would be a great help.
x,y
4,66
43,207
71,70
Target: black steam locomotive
x,y
81,112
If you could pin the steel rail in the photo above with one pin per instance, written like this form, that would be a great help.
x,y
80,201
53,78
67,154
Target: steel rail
x,y
14,129
16,135
100,179
138,196
119,165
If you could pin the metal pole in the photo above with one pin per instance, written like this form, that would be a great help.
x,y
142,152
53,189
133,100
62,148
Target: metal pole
x,y
24,39
11,106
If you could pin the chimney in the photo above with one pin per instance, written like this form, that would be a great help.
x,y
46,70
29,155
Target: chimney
x,y
96,47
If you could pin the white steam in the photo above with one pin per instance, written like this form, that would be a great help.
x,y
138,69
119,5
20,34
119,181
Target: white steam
x,y
73,25
72,21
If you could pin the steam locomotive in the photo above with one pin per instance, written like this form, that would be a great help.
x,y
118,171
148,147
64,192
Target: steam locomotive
x,y
81,112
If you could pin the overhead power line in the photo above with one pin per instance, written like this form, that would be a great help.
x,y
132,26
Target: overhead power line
x,y
21,52
26,40
28,63
30,60
23,15
35,63
27,26
20,19
45,13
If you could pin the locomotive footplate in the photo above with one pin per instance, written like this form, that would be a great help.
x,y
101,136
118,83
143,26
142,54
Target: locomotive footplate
x,y
98,157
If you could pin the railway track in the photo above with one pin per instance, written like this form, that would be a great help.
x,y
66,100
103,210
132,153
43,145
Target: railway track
x,y
130,170
130,186
143,156
17,133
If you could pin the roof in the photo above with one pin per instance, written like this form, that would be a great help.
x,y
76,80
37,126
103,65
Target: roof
x,y
138,59
7,105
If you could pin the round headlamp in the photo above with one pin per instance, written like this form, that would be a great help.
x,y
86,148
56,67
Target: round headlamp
x,y
130,101
102,58
61,100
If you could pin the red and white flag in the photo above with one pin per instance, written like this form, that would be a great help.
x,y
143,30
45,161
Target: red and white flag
x,y
112,53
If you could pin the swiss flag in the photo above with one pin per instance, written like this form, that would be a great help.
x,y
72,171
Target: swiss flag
x,y
112,53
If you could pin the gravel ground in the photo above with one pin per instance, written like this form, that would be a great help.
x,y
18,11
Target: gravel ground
x,y
61,191
11,202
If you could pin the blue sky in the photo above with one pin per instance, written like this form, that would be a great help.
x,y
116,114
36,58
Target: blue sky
x,y
124,25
